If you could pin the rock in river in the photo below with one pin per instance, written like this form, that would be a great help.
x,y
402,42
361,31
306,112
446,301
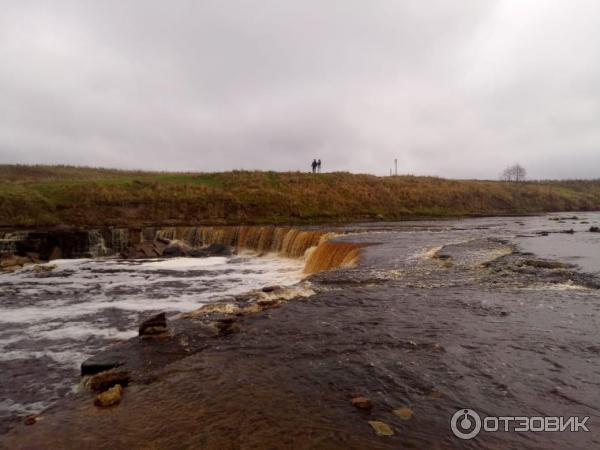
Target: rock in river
x,y
105,380
362,403
109,397
381,428
154,326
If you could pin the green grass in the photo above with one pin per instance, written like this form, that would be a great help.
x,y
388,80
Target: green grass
x,y
37,196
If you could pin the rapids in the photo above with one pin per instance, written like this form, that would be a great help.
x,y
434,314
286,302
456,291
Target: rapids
x,y
50,322
500,315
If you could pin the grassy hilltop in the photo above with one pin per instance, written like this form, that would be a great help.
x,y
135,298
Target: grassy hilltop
x,y
37,196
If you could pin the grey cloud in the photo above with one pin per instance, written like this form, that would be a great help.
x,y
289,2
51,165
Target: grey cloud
x,y
456,89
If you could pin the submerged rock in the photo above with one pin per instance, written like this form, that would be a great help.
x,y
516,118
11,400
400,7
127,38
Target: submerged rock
x,y
110,397
541,264
108,379
381,428
362,403
403,413
31,420
154,326
44,268
227,325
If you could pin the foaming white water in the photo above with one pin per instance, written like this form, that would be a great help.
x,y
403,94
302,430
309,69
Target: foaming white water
x,y
51,321
185,263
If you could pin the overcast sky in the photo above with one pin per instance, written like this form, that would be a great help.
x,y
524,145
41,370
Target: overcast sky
x,y
455,88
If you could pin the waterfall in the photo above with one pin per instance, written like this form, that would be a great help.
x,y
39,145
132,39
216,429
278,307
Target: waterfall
x,y
96,244
289,242
313,245
8,242
119,239
330,255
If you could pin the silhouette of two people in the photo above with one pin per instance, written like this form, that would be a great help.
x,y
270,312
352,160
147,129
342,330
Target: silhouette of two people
x,y
316,166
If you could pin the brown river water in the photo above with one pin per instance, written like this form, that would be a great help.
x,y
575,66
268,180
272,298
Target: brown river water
x,y
497,315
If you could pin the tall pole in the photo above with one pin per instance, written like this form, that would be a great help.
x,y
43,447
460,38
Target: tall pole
x,y
396,166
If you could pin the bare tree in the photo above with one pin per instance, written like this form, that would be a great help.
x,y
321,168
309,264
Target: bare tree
x,y
516,173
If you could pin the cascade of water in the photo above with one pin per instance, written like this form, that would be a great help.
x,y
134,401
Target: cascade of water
x,y
96,244
313,245
120,239
8,241
329,255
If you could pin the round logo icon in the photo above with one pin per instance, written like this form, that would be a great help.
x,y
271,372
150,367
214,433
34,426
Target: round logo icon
x,y
465,424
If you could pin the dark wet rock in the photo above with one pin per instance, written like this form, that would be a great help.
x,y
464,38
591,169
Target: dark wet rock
x,y
362,403
177,249
53,244
109,397
268,289
33,256
144,250
268,303
594,229
101,362
154,326
137,356
105,380
227,325
546,233
31,420
218,250
543,264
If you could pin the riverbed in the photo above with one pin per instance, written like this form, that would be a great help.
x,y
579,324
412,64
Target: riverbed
x,y
498,315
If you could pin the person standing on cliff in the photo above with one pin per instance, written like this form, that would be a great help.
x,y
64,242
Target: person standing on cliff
x,y
314,165
319,166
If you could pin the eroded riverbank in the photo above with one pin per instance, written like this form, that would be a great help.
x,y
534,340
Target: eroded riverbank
x,y
438,316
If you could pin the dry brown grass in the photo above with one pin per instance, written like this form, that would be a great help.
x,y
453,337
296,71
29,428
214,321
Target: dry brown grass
x,y
52,195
